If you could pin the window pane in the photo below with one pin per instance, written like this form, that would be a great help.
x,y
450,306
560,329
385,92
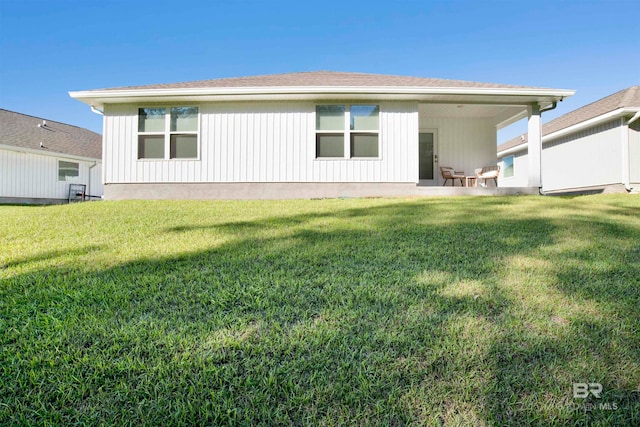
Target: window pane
x,y
151,120
184,119
330,145
330,117
151,146
68,170
364,117
364,145
184,146
508,166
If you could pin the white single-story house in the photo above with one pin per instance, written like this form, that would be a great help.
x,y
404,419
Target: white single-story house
x,y
39,158
592,149
306,135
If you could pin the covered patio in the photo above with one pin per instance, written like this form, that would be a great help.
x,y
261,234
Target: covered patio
x,y
461,133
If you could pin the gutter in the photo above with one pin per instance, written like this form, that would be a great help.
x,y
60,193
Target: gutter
x,y
551,107
101,97
286,90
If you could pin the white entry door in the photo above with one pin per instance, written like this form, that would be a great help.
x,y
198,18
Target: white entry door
x,y
428,157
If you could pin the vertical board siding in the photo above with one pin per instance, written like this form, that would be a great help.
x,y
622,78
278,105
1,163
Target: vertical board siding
x,y
587,158
34,176
95,188
262,142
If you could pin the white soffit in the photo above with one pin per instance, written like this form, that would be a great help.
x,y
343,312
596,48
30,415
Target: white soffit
x,y
498,115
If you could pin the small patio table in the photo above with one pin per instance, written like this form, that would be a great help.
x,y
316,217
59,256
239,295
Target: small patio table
x,y
472,181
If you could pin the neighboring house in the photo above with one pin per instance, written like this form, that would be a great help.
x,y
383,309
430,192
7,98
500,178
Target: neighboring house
x,y
593,148
39,158
313,134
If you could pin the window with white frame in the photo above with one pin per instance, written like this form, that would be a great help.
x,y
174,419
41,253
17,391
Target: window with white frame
x,y
67,171
347,131
507,164
168,133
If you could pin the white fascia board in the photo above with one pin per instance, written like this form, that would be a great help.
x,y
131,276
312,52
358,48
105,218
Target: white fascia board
x,y
104,95
48,153
513,150
611,115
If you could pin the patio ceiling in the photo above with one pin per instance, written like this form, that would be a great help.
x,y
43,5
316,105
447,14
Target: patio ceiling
x,y
499,115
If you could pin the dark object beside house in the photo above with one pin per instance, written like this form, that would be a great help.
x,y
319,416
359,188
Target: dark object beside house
x,y
77,192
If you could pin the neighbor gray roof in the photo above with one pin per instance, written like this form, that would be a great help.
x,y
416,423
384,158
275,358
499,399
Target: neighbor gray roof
x,y
21,130
322,78
629,97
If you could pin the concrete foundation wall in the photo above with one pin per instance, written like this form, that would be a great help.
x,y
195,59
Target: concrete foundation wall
x,y
31,201
291,190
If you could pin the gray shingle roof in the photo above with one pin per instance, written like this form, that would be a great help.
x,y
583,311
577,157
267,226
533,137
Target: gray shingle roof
x,y
629,97
21,130
321,78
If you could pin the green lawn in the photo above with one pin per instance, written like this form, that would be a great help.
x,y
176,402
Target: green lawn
x,y
434,311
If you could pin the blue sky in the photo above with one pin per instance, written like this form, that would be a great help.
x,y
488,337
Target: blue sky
x,y
48,48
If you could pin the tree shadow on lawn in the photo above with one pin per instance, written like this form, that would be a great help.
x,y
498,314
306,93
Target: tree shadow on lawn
x,y
597,340
387,319
48,255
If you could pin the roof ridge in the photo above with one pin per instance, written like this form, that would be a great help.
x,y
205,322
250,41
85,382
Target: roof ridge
x,y
628,96
315,78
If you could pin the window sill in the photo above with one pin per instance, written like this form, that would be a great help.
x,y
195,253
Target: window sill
x,y
347,158
191,159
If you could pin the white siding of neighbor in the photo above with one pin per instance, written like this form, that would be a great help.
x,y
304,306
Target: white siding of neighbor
x,y
95,187
634,152
520,176
588,158
30,175
463,143
262,142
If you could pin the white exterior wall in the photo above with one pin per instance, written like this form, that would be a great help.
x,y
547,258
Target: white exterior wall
x,y
463,143
28,175
634,153
262,142
520,176
588,158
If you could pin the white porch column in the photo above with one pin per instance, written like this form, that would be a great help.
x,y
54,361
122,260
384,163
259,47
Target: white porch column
x,y
535,146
